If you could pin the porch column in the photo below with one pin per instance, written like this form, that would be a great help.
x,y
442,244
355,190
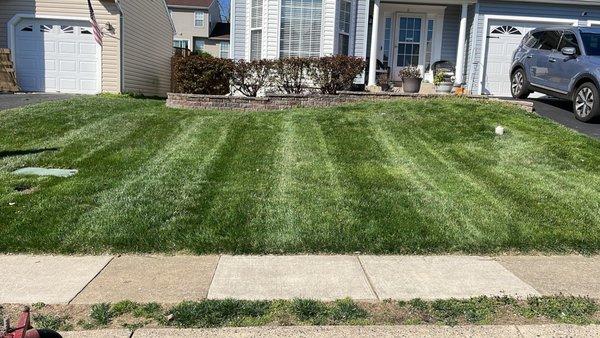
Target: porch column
x,y
462,37
374,45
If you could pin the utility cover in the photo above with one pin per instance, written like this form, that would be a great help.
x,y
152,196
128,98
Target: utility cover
x,y
45,172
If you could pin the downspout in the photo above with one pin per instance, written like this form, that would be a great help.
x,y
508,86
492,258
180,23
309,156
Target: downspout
x,y
121,45
474,61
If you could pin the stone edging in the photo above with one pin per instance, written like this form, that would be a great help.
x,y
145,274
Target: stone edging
x,y
289,101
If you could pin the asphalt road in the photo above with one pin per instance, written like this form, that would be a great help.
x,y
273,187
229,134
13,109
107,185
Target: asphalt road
x,y
561,111
8,101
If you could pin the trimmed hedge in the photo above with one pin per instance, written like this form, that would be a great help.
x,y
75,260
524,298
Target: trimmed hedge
x,y
203,74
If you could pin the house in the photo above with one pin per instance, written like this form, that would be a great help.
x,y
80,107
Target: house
x,y
199,27
477,36
54,50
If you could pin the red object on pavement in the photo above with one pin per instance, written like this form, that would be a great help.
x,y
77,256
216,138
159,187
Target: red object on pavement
x,y
23,329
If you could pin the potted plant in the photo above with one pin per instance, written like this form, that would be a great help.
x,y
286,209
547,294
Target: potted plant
x,y
411,79
442,83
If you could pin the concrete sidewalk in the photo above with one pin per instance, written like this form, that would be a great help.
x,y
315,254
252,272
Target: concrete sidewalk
x,y
172,279
499,331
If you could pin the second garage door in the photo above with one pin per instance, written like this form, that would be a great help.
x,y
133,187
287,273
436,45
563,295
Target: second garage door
x,y
503,38
57,56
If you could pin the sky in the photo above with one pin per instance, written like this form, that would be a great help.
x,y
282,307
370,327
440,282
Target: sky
x,y
224,8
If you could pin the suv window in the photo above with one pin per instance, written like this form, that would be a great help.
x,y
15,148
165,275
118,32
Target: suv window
x,y
531,40
569,40
550,40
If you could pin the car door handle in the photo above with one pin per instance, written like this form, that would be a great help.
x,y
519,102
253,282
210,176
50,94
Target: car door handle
x,y
552,60
530,56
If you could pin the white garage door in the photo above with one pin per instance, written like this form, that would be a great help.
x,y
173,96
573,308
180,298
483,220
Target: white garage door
x,y
502,40
56,56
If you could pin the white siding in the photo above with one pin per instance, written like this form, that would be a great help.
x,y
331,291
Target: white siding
x,y
328,33
147,47
238,29
362,21
271,14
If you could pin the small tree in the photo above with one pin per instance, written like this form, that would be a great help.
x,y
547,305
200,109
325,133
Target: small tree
x,y
290,74
249,77
334,73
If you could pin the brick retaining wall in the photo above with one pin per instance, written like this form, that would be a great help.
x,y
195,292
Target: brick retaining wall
x,y
288,101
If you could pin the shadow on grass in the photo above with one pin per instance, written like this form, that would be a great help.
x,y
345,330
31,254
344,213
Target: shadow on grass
x,y
12,153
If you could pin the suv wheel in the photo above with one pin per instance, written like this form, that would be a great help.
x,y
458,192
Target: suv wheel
x,y
586,104
519,86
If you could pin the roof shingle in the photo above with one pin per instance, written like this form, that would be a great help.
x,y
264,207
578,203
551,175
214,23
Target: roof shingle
x,y
190,3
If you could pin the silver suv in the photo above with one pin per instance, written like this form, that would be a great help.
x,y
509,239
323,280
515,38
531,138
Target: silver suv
x,y
563,62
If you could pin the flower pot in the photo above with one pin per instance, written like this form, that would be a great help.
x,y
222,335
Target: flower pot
x,y
444,87
411,84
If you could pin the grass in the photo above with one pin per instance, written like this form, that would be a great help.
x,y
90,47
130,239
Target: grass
x,y
231,312
409,176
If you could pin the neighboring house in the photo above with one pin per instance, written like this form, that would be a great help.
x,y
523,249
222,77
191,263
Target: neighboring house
x,y
478,36
199,27
54,50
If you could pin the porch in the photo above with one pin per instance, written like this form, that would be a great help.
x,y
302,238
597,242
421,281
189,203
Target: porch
x,y
415,33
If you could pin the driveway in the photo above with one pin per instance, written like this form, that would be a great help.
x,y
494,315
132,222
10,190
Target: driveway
x,y
561,111
8,101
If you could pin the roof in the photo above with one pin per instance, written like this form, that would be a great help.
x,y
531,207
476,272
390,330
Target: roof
x,y
189,3
220,32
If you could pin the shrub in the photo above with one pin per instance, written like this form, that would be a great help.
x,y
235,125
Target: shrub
x,y
334,73
410,72
201,74
290,74
250,76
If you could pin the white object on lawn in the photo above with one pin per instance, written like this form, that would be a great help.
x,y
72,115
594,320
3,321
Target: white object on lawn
x,y
500,130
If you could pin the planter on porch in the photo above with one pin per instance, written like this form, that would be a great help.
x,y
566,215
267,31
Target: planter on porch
x,y
411,84
411,79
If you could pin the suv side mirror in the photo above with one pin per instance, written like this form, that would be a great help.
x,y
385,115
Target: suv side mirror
x,y
569,51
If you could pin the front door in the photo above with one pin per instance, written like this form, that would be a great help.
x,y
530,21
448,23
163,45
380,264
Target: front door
x,y
409,43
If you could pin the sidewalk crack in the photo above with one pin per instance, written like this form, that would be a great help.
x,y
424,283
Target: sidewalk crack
x,y
367,277
91,280
212,278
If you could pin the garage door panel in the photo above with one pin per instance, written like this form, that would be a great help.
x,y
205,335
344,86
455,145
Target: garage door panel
x,y
87,67
68,66
68,85
53,56
50,65
87,48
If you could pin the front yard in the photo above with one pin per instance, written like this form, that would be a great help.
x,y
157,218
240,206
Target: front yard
x,y
411,176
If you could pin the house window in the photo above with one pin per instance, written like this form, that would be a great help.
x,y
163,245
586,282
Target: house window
x,y
387,41
300,31
224,50
180,44
344,27
199,19
255,44
198,45
256,14
429,43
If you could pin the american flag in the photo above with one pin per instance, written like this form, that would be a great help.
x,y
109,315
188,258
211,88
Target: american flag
x,y
95,28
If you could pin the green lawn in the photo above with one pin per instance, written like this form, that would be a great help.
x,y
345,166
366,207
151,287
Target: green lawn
x,y
411,176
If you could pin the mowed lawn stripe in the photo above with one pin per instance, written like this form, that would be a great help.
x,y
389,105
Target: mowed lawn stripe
x,y
387,210
136,212
227,208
